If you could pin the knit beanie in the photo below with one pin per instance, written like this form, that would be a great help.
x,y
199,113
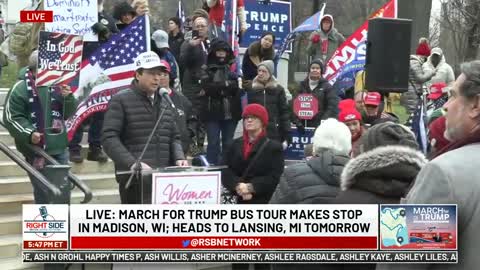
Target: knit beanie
x,y
423,49
386,134
334,135
436,133
318,62
346,104
258,111
269,65
349,114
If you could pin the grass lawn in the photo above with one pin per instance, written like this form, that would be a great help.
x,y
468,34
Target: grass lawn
x,y
9,75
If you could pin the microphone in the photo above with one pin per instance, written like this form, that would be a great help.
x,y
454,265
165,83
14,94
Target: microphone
x,y
164,93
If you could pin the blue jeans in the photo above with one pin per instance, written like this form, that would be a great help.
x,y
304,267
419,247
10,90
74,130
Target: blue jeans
x,y
214,128
94,133
40,196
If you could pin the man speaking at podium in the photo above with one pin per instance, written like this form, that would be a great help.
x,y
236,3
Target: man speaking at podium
x,y
129,121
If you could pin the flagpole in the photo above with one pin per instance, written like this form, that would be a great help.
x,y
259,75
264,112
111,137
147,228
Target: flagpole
x,y
147,31
234,21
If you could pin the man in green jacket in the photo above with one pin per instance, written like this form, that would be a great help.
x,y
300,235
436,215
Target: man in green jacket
x,y
35,115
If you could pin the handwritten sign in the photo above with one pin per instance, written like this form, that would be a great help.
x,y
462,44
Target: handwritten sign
x,y
74,17
59,58
186,188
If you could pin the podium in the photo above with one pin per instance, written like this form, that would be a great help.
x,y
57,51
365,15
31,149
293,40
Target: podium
x,y
180,185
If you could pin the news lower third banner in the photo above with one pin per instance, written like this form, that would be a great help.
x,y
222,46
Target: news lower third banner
x,y
240,233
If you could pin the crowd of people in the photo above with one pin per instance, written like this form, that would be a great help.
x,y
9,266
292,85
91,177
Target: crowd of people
x,y
361,153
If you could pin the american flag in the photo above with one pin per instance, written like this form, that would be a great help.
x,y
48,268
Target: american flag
x,y
108,70
417,124
181,12
49,52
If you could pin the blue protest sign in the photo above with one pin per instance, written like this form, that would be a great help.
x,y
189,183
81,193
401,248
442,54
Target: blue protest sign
x,y
295,150
271,17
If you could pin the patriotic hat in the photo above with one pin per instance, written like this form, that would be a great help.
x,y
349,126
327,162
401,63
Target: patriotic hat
x,y
436,90
147,60
372,98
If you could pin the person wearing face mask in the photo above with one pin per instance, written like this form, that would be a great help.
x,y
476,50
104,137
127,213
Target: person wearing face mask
x,y
324,41
257,52
326,96
221,109
436,64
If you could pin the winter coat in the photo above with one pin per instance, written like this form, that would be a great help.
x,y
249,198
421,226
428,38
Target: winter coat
x,y
17,117
192,58
264,174
175,43
335,39
249,68
128,123
444,72
382,175
315,182
452,178
327,101
417,76
272,97
182,117
222,100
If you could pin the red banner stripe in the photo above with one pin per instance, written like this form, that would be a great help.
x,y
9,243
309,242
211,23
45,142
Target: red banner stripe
x,y
273,242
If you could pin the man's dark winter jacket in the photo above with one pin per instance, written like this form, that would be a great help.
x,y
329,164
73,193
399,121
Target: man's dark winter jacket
x,y
263,174
175,42
315,182
327,101
382,175
182,117
222,101
192,59
272,97
128,122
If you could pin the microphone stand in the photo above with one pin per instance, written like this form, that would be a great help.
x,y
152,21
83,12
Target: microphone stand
x,y
137,170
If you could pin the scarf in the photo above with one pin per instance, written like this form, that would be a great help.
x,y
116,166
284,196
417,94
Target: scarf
x,y
37,113
473,137
35,105
313,84
248,146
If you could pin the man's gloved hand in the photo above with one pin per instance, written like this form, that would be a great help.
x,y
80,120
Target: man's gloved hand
x,y
316,38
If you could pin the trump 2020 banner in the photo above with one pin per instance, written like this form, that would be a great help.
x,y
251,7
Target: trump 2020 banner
x,y
269,17
59,58
349,58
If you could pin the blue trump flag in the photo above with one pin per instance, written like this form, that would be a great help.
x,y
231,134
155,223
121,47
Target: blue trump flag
x,y
310,24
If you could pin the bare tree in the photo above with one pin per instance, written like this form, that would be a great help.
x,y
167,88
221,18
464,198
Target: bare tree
x,y
461,26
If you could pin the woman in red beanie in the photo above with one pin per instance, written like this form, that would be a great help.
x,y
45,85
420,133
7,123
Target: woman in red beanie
x,y
353,119
254,163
